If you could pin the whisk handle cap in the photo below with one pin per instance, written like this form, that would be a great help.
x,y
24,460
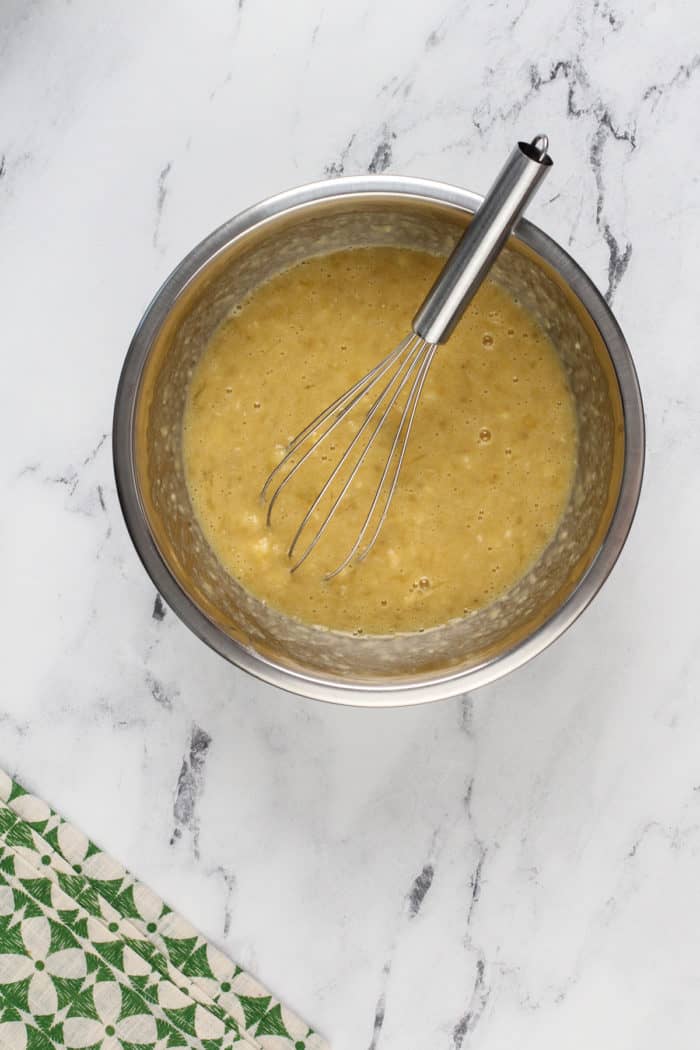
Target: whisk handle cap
x,y
476,251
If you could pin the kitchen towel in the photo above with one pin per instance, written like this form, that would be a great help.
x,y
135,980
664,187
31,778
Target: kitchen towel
x,y
90,957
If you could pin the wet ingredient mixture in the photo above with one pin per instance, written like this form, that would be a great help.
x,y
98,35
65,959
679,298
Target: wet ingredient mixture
x,y
486,477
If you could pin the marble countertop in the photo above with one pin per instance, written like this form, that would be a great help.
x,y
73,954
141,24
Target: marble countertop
x,y
516,867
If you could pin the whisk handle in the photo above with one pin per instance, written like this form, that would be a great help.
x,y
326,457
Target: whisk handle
x,y
477,249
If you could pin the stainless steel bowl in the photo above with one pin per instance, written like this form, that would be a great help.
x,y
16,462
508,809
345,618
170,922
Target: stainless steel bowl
x,y
332,665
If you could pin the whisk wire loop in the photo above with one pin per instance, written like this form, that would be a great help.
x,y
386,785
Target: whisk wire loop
x,y
341,407
391,391
406,425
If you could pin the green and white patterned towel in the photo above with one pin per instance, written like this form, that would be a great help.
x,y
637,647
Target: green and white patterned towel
x,y
90,957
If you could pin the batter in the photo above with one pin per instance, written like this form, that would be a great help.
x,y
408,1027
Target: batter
x,y
486,477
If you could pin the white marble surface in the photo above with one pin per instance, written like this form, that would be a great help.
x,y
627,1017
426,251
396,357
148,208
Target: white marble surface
x,y
516,868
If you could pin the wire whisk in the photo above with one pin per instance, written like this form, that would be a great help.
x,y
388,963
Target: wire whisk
x,y
396,383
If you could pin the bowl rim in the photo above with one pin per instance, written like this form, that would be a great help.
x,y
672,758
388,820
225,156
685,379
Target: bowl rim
x,y
316,686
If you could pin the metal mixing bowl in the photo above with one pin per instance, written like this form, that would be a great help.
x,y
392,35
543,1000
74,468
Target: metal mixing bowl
x,y
330,665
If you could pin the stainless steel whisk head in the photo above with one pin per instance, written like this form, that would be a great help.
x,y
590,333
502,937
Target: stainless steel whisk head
x,y
397,381
406,367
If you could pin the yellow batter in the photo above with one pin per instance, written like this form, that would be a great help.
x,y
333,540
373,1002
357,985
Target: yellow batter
x,y
487,473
